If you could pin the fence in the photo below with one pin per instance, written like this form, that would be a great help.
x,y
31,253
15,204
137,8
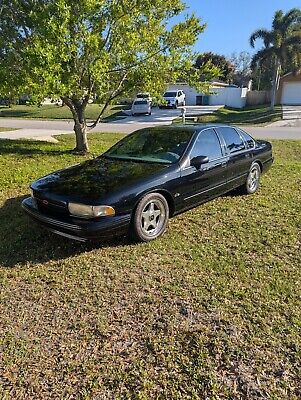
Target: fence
x,y
257,97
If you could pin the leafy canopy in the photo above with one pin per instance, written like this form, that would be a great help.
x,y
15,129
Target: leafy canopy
x,y
99,48
282,42
226,69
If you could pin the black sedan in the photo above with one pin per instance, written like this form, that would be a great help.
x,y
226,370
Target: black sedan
x,y
146,178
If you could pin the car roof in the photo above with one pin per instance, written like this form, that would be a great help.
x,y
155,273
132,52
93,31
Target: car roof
x,y
190,127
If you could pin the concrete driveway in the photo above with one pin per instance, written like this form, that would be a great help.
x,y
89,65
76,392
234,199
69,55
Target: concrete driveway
x,y
166,116
291,112
291,117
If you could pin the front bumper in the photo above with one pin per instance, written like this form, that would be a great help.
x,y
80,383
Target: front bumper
x,y
78,229
168,105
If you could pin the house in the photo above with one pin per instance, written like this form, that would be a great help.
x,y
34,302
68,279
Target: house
x,y
220,94
289,90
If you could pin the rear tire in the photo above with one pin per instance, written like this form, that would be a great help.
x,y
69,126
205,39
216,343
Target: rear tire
x,y
150,218
252,183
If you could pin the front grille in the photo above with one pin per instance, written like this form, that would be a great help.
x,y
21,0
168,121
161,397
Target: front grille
x,y
51,207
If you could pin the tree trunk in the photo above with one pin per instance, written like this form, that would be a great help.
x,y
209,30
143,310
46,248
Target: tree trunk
x,y
80,130
275,84
78,108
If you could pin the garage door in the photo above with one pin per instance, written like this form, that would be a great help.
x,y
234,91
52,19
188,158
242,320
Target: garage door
x,y
291,93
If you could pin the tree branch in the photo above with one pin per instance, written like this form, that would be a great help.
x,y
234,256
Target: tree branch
x,y
114,94
110,71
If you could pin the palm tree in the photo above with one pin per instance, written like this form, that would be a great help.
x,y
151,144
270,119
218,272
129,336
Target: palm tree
x,y
282,45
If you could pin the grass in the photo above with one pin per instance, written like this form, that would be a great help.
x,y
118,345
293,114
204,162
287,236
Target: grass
x,y
209,311
6,129
256,115
54,111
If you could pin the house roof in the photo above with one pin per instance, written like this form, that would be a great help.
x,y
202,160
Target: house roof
x,y
212,83
291,73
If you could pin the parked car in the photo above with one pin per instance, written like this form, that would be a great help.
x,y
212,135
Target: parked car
x,y
147,178
174,99
141,106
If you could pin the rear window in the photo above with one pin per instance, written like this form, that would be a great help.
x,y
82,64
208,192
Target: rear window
x,y
140,102
142,96
170,94
233,141
248,139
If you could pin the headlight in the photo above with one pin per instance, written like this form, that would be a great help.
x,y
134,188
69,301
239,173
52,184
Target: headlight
x,y
33,199
85,211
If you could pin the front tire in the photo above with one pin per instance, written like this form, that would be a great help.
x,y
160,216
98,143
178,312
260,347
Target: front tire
x,y
252,183
150,218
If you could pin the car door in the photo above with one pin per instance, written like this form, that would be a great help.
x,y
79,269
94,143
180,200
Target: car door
x,y
240,158
209,180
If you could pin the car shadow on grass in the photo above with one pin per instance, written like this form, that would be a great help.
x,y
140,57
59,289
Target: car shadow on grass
x,y
23,241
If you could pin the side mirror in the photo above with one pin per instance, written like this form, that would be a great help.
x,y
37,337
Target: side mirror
x,y
198,161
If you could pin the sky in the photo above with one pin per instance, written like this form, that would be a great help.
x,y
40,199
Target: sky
x,y
231,22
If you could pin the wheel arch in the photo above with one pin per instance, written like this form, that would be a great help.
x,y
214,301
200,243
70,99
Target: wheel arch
x,y
168,197
259,163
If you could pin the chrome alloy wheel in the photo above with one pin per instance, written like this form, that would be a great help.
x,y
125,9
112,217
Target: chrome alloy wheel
x,y
153,218
253,179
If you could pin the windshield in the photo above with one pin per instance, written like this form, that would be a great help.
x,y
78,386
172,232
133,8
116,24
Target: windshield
x,y
170,94
139,102
142,96
159,145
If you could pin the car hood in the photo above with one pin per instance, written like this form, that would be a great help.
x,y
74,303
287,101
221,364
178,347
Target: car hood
x,y
95,179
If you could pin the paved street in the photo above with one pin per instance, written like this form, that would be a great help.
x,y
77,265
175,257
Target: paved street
x,y
45,130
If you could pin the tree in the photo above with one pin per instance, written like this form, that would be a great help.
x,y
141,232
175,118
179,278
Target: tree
x,y
218,61
281,44
242,68
104,49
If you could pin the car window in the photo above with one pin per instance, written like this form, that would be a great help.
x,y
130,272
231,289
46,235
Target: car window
x,y
140,102
207,144
233,141
152,145
248,139
170,94
142,96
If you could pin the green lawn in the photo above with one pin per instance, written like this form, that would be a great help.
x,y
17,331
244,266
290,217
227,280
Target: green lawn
x,y
209,311
256,115
58,112
6,129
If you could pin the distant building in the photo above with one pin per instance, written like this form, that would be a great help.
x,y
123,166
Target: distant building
x,y
220,94
289,91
